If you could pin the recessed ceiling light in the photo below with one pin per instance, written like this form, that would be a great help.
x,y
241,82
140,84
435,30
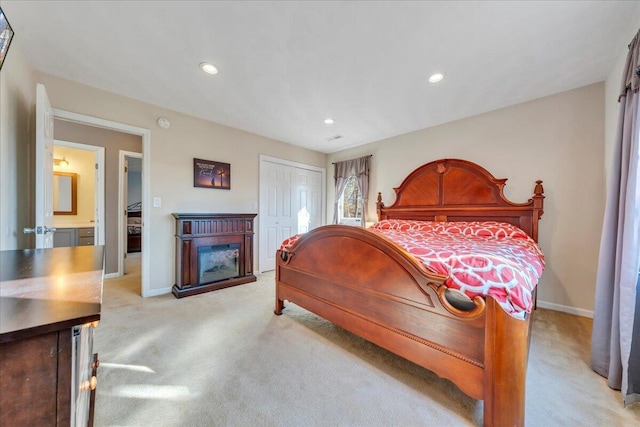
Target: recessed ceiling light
x,y
209,68
435,78
328,121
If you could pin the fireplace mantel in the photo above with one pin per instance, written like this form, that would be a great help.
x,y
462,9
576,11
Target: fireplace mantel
x,y
213,233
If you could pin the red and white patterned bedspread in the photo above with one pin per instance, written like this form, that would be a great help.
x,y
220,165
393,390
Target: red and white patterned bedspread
x,y
479,258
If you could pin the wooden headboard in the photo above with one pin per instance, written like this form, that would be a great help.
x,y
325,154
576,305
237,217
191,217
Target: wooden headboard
x,y
459,190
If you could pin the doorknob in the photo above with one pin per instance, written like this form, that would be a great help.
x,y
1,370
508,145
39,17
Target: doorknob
x,y
38,230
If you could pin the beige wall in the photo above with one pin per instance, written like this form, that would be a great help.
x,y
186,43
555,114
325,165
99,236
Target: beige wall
x,y
17,100
113,142
558,139
172,153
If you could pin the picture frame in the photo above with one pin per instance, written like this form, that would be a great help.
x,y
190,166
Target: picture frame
x,y
6,35
211,174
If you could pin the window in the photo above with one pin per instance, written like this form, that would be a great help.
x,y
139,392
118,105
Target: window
x,y
352,189
350,204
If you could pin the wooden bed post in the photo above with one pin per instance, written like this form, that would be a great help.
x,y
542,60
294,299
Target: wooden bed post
x,y
506,354
379,207
279,302
538,202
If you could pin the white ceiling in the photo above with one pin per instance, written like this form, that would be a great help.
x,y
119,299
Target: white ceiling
x,y
286,66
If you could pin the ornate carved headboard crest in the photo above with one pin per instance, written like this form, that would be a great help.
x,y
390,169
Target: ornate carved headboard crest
x,y
459,190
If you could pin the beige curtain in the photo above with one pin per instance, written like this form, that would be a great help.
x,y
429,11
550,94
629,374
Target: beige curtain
x,y
345,169
615,341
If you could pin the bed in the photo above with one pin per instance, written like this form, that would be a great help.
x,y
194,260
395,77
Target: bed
x,y
134,227
370,285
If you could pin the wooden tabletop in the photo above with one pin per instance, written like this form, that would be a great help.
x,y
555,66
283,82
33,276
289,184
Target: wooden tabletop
x,y
44,290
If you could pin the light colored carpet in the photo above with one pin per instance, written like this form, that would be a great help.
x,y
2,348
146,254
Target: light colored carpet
x,y
224,359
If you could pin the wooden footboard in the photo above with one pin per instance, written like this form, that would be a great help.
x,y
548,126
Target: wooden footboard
x,y
368,285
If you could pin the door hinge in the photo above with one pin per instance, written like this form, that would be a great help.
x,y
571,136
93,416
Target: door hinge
x,y
96,166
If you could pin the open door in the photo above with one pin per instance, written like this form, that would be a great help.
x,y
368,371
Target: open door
x,y
124,230
43,228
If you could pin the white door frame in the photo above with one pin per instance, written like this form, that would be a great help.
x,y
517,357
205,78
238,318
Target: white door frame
x,y
99,183
262,216
122,206
146,174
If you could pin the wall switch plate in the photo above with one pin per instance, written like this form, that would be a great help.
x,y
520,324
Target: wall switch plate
x,y
157,202
254,205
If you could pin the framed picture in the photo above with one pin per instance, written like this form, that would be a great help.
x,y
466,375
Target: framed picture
x,y
210,174
6,34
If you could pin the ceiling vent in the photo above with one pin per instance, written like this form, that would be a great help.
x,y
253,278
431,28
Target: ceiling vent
x,y
333,138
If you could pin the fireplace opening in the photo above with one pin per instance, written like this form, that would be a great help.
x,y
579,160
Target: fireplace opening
x,y
218,262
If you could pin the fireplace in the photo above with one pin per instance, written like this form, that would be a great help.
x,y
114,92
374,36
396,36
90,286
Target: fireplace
x,y
219,262
213,251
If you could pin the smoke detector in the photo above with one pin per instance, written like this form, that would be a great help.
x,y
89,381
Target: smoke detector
x,y
163,122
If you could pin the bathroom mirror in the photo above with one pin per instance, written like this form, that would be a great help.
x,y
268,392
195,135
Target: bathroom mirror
x,y
65,191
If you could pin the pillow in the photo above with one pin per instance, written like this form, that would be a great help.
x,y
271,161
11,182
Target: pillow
x,y
403,225
485,229
475,228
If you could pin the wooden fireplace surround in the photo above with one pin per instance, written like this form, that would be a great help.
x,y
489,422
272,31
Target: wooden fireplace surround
x,y
209,229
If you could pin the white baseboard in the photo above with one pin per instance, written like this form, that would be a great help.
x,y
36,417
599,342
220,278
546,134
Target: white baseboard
x,y
111,275
156,292
566,309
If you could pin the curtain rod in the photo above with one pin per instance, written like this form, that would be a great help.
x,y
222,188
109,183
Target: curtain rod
x,y
370,155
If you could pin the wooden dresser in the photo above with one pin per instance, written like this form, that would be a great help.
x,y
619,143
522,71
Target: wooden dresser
x,y
50,302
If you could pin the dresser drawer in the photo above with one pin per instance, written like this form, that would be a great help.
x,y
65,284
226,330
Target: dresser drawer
x,y
85,232
85,241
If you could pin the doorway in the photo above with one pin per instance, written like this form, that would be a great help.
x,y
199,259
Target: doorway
x,y
145,135
130,209
87,163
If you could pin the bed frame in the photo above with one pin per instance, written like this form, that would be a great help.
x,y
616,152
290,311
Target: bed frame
x,y
372,287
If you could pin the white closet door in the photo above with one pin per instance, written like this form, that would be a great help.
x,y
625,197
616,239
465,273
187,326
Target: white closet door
x,y
308,197
277,209
290,203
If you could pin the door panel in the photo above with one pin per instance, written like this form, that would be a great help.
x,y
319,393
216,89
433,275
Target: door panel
x,y
276,205
44,169
290,203
309,188
125,220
